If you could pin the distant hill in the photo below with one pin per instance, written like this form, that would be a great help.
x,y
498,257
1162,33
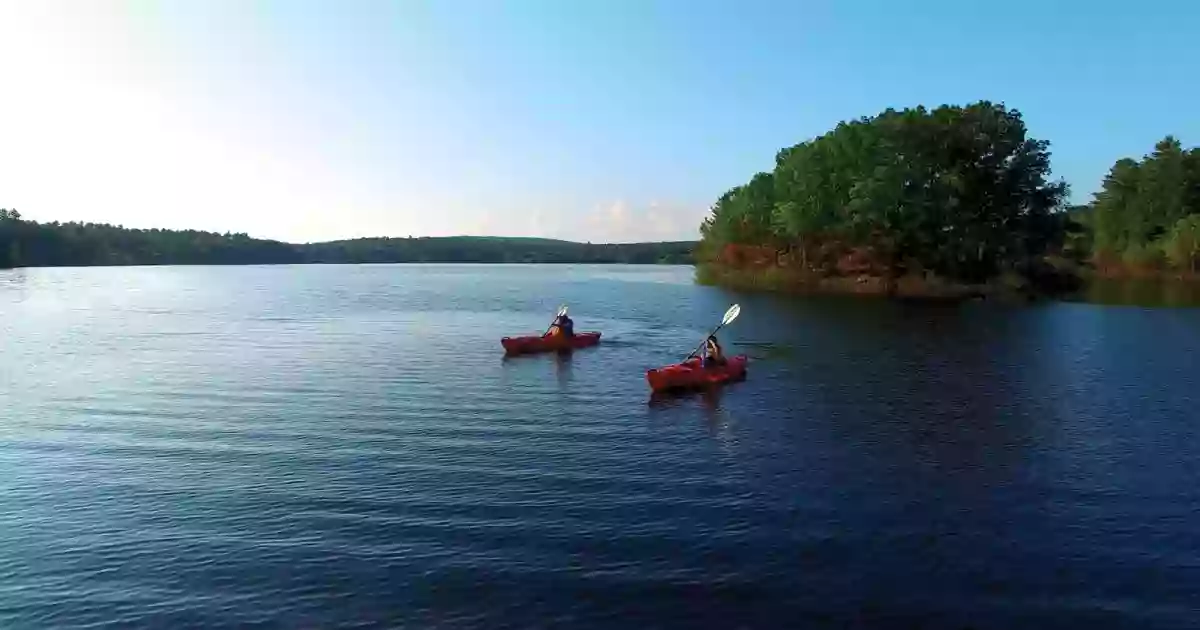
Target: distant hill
x,y
32,244
485,249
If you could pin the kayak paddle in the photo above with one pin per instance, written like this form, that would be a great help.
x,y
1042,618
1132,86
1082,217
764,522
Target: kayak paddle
x,y
730,315
562,310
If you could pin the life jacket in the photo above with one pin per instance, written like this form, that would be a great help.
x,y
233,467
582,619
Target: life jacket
x,y
560,327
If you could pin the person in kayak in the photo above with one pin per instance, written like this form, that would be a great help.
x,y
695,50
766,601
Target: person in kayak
x,y
713,355
562,326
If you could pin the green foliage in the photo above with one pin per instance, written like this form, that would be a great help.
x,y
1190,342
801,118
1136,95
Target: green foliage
x,y
960,191
1078,228
1182,244
9,247
32,244
1143,256
744,214
1146,208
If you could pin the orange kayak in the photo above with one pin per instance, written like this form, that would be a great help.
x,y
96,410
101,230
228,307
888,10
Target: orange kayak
x,y
692,374
527,345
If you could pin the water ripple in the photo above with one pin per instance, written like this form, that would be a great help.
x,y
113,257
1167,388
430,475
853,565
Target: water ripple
x,y
345,447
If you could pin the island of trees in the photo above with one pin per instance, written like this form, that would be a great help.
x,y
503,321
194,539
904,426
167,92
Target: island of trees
x,y
32,244
951,201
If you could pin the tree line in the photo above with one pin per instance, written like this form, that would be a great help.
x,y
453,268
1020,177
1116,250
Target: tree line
x,y
490,249
1147,213
26,243
959,192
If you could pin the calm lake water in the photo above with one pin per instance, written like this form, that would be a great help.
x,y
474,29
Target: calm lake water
x,y
344,446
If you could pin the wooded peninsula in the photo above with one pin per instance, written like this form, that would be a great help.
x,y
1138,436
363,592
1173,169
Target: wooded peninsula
x,y
955,200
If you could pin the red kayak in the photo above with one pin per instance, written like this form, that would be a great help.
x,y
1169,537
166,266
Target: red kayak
x,y
527,345
692,374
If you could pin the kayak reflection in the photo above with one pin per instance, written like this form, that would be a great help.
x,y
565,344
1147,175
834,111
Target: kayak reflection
x,y
709,398
563,370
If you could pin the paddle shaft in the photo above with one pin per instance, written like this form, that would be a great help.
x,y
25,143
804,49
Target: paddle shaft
x,y
562,310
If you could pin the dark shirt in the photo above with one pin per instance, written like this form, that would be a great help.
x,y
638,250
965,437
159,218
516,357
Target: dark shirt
x,y
564,325
713,352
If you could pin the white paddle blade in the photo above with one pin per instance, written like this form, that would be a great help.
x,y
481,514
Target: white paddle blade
x,y
731,314
562,310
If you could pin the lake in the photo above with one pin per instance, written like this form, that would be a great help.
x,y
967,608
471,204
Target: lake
x,y
344,446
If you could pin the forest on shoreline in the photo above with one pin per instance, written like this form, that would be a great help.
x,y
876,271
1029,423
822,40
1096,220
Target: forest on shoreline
x,y
32,244
956,199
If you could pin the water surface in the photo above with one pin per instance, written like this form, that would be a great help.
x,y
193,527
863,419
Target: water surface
x,y
344,446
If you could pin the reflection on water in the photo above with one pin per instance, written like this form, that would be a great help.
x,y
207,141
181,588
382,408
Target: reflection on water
x,y
718,421
13,283
1143,292
709,398
343,446
562,367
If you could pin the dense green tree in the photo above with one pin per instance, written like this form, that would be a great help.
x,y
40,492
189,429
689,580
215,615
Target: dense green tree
x,y
744,213
960,191
1143,213
9,247
1182,244
1118,223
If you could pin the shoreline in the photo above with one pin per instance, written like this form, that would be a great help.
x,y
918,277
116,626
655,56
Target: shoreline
x,y
359,263
1161,289
785,280
1125,273
778,279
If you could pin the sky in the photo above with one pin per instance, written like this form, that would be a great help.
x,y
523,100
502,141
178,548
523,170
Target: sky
x,y
590,120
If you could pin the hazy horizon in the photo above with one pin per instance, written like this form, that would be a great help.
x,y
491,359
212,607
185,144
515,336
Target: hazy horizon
x,y
601,121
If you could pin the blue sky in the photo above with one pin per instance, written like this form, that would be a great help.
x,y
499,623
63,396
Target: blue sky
x,y
602,120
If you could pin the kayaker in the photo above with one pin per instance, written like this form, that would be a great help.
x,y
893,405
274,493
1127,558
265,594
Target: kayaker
x,y
712,352
562,326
